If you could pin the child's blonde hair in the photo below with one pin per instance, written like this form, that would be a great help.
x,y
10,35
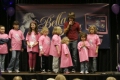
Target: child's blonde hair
x,y
111,78
44,29
64,40
57,30
77,79
2,26
60,77
93,26
17,78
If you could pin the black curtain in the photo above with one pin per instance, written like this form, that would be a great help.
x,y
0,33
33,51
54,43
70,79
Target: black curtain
x,y
107,59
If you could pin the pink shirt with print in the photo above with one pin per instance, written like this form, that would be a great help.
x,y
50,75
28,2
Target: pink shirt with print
x,y
3,47
44,41
56,40
32,38
16,37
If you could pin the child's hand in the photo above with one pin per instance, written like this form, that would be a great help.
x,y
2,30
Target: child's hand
x,y
29,45
83,45
34,45
10,49
41,52
59,52
96,51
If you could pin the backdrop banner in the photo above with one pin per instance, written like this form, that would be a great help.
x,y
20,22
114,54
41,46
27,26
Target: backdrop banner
x,y
51,15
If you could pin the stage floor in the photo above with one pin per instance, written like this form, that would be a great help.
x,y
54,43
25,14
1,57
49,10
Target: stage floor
x,y
71,76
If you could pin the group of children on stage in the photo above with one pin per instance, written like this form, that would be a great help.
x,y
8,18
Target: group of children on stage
x,y
39,42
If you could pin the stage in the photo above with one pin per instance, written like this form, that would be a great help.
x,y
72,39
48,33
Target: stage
x,y
71,76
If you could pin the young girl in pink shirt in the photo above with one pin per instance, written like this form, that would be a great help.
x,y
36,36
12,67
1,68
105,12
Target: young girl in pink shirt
x,y
16,38
94,42
66,60
83,47
3,47
55,47
32,45
44,46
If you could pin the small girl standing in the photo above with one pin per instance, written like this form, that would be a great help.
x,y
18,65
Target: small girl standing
x,y
94,42
44,46
83,47
16,39
55,48
3,47
66,60
32,44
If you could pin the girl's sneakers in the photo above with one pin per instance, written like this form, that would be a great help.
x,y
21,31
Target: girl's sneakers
x,y
82,72
86,72
2,71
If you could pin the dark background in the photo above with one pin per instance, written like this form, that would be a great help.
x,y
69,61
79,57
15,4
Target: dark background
x,y
107,60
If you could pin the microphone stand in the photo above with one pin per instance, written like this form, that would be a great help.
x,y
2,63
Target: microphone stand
x,y
118,65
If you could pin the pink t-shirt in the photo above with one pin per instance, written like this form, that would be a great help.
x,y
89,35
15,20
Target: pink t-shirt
x,y
56,40
94,41
3,47
44,41
83,51
16,37
33,38
66,61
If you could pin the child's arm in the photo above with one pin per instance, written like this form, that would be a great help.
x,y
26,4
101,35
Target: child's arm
x,y
97,43
28,44
87,45
97,49
56,42
57,49
1,42
37,40
10,44
23,45
10,37
80,45
4,40
40,41
35,43
64,50
23,41
27,40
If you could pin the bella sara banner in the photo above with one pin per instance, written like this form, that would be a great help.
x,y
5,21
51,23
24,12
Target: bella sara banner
x,y
51,15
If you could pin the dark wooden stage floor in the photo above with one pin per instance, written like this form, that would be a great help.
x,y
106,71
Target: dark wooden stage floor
x,y
71,76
